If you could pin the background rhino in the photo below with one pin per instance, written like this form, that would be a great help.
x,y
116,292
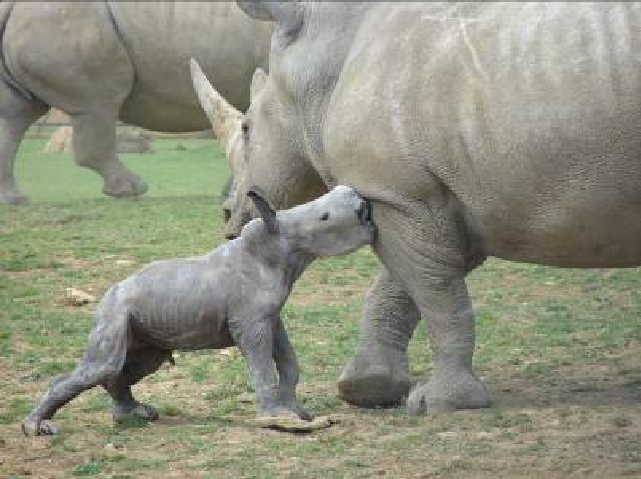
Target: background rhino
x,y
477,129
100,61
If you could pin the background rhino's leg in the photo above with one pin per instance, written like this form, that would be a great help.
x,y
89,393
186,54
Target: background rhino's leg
x,y
94,144
423,247
378,375
102,361
16,115
79,64
287,366
138,364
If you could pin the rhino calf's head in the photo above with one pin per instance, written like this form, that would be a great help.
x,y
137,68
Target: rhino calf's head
x,y
337,223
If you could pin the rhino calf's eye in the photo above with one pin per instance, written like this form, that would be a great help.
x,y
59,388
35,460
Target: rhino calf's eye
x,y
325,217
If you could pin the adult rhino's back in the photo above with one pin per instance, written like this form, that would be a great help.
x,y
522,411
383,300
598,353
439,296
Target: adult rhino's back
x,y
160,38
100,61
529,113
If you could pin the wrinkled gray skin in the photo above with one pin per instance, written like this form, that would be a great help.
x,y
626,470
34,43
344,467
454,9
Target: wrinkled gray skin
x,y
231,296
102,61
476,129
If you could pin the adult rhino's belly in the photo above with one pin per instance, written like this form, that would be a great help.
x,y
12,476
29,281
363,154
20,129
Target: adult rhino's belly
x,y
578,220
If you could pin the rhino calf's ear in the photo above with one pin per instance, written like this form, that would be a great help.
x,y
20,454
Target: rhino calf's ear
x,y
267,213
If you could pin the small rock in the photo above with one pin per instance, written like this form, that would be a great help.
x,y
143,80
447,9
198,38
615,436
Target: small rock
x,y
124,262
231,353
246,398
77,297
621,421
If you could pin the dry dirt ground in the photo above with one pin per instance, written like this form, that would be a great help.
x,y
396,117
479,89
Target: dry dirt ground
x,y
580,419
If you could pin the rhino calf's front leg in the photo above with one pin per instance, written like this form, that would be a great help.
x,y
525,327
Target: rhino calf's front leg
x,y
256,342
287,365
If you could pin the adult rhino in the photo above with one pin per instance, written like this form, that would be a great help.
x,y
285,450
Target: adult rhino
x,y
476,129
100,61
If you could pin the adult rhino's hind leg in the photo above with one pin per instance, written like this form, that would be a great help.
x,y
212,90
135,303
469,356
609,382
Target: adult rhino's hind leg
x,y
16,114
138,364
378,375
102,361
94,144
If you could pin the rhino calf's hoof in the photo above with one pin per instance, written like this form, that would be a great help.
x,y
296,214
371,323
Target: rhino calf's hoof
x,y
33,427
139,411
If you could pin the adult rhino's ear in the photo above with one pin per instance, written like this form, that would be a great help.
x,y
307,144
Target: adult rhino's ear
x,y
266,211
258,82
289,12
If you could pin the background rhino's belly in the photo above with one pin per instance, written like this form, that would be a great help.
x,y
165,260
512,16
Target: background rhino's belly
x,y
529,113
160,38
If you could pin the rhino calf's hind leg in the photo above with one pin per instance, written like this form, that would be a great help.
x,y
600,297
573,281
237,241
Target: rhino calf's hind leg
x,y
64,388
16,115
94,144
102,362
138,364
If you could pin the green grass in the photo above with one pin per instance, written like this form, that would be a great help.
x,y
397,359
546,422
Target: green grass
x,y
558,348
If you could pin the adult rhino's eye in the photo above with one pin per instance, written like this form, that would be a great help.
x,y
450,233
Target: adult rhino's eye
x,y
245,128
325,217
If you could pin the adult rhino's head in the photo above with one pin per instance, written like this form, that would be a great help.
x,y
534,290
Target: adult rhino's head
x,y
269,144
226,124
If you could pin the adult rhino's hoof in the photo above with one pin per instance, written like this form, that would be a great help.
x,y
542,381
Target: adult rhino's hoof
x,y
125,187
33,427
13,198
139,411
449,394
365,384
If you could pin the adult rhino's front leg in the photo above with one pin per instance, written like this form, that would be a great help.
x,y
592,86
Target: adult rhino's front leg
x,y
423,246
378,375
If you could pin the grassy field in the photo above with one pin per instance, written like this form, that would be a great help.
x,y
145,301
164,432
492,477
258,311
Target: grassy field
x,y
559,348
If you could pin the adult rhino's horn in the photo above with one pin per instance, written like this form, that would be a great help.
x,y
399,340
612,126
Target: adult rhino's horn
x,y
266,211
217,109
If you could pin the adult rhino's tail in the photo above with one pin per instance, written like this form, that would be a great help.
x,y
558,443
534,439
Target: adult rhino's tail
x,y
5,75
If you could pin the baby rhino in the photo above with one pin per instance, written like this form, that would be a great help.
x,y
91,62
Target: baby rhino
x,y
231,296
